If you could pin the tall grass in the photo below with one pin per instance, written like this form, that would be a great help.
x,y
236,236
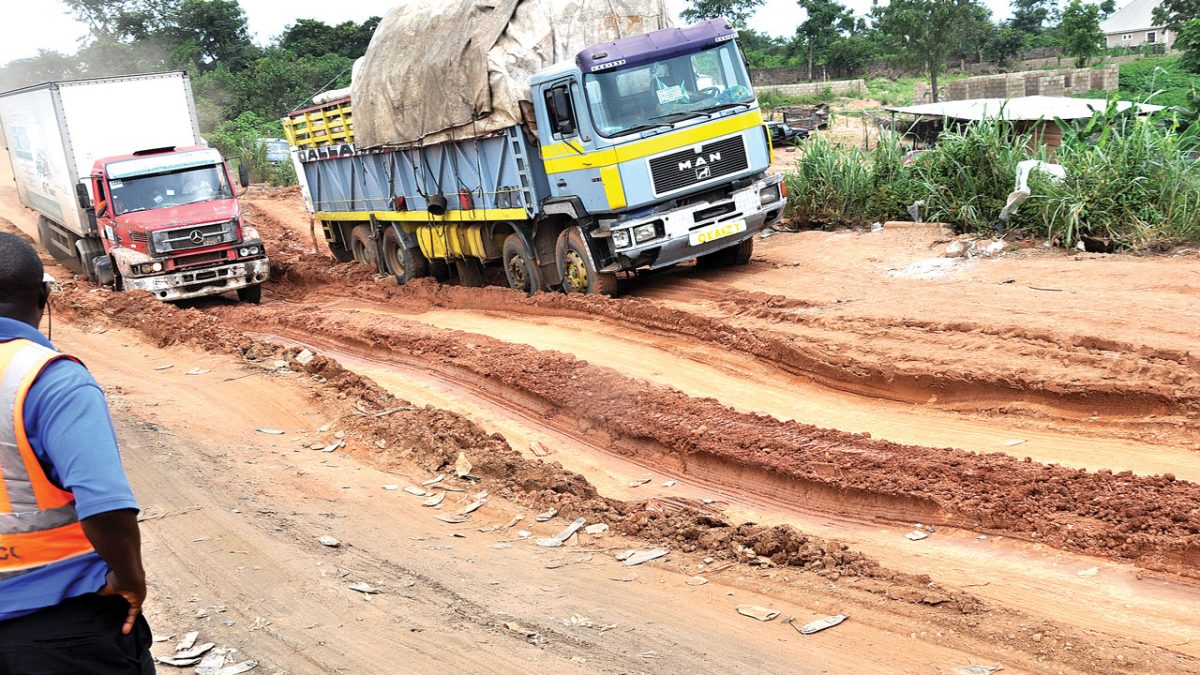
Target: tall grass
x,y
1133,181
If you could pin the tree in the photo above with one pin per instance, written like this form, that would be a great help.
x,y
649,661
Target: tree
x,y
1175,13
737,11
1188,42
849,55
309,37
822,26
1080,31
1031,16
922,32
47,66
1004,45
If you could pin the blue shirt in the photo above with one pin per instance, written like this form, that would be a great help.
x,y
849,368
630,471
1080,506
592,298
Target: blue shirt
x,y
67,422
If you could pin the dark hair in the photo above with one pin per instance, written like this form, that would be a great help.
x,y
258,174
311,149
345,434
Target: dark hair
x,y
21,273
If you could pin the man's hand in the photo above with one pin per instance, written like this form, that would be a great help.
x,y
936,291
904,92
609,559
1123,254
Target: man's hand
x,y
116,538
134,594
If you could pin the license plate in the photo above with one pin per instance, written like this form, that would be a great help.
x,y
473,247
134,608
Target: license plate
x,y
715,232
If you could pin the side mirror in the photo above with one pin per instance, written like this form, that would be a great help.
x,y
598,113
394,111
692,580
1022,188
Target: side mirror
x,y
565,125
243,174
81,195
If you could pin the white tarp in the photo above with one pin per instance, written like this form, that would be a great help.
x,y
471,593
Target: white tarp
x,y
438,70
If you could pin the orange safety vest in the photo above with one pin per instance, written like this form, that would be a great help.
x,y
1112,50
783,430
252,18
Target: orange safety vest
x,y
38,523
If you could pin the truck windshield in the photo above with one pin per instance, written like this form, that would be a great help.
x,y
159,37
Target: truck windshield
x,y
161,190
666,91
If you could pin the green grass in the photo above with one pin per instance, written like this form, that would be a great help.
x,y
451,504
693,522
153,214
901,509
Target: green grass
x,y
1159,80
901,91
1131,180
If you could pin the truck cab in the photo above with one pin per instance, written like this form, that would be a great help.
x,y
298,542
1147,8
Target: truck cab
x,y
171,225
659,140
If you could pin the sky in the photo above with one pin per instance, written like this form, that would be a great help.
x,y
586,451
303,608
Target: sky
x,y
52,28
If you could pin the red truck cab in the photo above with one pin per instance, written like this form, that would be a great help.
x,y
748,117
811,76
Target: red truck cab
x,y
171,225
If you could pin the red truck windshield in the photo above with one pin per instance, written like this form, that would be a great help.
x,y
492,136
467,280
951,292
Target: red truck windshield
x,y
162,190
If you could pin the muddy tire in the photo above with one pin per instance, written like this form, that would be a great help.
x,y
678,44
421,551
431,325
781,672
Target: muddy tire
x,y
519,268
403,263
339,252
738,254
250,294
362,247
470,272
577,269
440,270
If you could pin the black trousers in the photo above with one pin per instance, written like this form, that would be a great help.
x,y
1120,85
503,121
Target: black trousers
x,y
79,636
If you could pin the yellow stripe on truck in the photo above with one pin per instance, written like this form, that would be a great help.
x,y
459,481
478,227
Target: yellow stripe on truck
x,y
560,158
613,189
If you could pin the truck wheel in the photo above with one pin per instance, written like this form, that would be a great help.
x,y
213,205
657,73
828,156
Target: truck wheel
x,y
404,263
250,294
738,254
470,272
362,247
523,275
339,252
577,269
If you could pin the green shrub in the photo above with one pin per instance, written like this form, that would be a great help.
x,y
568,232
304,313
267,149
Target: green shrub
x,y
239,140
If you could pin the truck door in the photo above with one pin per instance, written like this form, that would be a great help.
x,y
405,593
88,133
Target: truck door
x,y
569,146
102,208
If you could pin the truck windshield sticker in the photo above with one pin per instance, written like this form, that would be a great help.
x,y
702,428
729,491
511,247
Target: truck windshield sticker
x,y
670,94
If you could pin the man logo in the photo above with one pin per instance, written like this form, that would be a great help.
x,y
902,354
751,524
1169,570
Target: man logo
x,y
698,162
703,173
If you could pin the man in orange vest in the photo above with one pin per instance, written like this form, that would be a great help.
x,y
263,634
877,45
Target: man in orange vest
x,y
71,577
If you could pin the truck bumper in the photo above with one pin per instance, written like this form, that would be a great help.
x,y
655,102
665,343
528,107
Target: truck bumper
x,y
689,232
201,282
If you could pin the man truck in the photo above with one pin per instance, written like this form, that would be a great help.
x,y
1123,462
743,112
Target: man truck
x,y
640,153
126,192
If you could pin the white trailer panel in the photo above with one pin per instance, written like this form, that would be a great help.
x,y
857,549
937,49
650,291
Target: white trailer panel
x,y
56,131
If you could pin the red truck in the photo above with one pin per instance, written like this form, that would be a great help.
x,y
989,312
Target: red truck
x,y
126,194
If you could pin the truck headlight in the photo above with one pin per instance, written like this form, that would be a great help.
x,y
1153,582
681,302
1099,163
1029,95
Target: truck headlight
x,y
643,233
156,267
769,195
621,238
243,251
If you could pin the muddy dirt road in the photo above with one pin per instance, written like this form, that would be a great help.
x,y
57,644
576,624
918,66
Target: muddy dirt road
x,y
795,419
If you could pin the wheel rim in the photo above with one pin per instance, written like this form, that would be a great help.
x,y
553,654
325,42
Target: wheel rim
x,y
360,252
576,273
517,278
395,262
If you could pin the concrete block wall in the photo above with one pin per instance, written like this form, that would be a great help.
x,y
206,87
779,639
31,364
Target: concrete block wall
x,y
1065,82
837,87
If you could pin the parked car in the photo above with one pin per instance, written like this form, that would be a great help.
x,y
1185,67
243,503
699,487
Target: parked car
x,y
782,134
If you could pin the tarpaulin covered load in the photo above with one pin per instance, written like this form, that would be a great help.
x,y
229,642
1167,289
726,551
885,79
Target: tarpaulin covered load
x,y
439,70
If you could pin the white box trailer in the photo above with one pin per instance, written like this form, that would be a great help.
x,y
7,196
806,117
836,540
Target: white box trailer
x,y
55,131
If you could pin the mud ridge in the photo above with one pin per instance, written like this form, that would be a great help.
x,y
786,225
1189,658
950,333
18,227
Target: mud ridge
x,y
1153,520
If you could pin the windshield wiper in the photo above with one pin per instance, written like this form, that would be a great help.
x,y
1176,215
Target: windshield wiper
x,y
680,115
144,208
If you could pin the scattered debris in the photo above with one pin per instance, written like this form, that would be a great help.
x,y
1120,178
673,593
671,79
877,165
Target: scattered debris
x,y
639,557
177,662
563,562
194,652
187,641
916,535
324,427
472,507
547,515
436,479
583,622
1088,572
391,487
757,612
269,431
640,481
238,668
305,357
596,529
415,491
452,518
462,466
166,367
977,670
197,371
818,625
434,500
697,581
530,635
561,537
670,483
524,534
1014,442
363,587
329,541
333,446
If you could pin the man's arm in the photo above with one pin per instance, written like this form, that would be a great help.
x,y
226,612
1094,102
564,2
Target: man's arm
x,y
117,539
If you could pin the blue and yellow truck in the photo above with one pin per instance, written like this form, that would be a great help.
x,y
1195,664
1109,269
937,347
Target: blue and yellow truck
x,y
640,153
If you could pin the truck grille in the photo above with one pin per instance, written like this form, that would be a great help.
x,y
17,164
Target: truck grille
x,y
194,236
688,167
